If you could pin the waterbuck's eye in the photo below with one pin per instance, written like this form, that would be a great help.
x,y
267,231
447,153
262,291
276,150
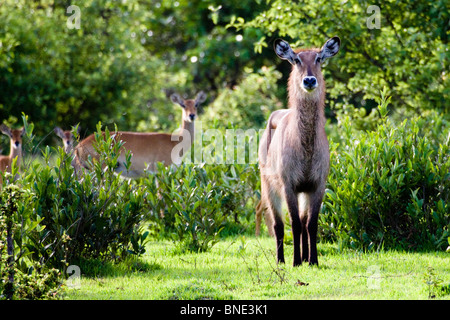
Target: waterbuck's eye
x,y
318,59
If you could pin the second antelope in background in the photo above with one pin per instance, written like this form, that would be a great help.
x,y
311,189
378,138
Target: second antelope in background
x,y
66,137
294,155
148,148
15,136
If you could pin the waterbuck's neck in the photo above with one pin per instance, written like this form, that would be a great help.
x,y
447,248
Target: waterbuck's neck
x,y
308,109
189,126
16,152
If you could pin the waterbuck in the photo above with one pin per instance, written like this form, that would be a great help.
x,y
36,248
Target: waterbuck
x,y
294,155
150,147
15,136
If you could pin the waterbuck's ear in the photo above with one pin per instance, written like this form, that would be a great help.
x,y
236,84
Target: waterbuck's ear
x,y
284,51
200,98
329,49
175,97
59,132
5,129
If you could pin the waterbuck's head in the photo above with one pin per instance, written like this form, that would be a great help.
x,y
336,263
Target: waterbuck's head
x,y
15,135
66,137
306,63
189,105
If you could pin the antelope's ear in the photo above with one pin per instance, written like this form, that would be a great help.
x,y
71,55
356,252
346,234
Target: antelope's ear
x,y
5,129
59,132
200,98
175,97
329,49
284,51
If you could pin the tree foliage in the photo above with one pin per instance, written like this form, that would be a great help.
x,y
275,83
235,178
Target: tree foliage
x,y
126,58
408,54
120,66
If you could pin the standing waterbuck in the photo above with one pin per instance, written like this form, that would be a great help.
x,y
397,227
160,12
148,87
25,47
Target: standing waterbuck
x,y
67,139
150,147
15,136
294,155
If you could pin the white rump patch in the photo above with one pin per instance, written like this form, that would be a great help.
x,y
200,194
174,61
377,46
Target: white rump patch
x,y
303,204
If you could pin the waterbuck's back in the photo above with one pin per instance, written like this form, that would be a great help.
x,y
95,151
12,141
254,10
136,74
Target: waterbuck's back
x,y
146,149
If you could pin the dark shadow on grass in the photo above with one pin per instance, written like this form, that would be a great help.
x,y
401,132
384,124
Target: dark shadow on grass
x,y
93,268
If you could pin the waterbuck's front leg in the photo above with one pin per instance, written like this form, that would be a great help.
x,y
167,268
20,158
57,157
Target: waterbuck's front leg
x,y
312,226
296,224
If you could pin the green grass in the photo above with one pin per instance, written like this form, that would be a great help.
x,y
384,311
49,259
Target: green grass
x,y
245,268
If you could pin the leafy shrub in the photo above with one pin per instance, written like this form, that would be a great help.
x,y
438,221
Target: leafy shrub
x,y
38,285
65,217
95,214
187,207
390,186
193,203
21,278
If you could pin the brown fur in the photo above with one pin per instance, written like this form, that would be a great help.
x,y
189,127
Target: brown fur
x,y
146,148
294,161
15,136
66,137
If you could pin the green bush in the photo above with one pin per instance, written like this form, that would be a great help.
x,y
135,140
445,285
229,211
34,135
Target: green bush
x,y
187,208
20,277
389,187
91,214
95,214
193,203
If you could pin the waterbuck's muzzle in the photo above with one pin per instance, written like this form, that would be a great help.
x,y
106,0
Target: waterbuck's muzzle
x,y
309,83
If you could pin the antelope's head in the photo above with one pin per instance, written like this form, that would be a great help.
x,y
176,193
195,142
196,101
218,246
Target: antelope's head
x,y
67,138
306,63
15,135
189,106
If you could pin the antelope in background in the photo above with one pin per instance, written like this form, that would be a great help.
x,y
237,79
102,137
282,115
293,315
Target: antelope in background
x,y
67,139
15,136
147,148
294,154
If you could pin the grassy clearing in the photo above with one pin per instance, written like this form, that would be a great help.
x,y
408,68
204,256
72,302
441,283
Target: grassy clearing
x,y
244,268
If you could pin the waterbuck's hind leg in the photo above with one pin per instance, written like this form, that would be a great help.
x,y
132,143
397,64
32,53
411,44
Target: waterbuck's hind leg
x,y
258,216
273,202
269,222
261,211
278,228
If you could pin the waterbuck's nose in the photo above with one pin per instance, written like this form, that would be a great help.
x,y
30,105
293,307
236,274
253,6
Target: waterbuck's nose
x,y
309,83
192,116
17,143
